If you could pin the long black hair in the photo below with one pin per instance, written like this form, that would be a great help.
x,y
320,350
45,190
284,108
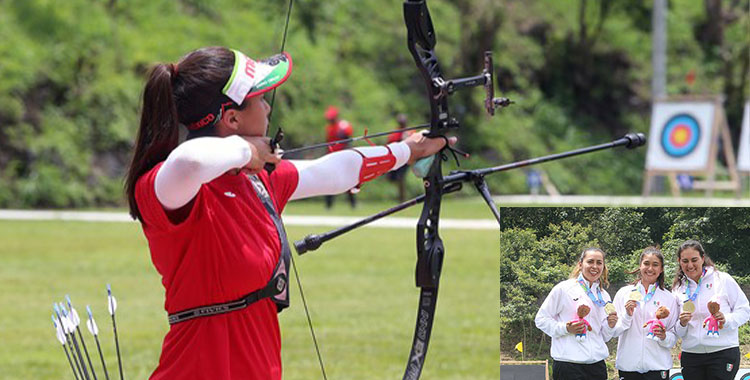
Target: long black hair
x,y
186,93
696,245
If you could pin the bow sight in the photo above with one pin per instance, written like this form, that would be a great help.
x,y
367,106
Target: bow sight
x,y
422,41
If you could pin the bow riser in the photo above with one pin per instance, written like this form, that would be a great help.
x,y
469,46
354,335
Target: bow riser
x,y
421,41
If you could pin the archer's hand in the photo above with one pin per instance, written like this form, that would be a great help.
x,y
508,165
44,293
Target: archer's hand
x,y
422,146
576,327
660,333
261,154
612,320
720,319
685,317
630,306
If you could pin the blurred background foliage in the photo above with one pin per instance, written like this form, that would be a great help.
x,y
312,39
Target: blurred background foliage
x,y
540,247
71,76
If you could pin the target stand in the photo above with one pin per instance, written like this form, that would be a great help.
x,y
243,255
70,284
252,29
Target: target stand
x,y
686,137
743,155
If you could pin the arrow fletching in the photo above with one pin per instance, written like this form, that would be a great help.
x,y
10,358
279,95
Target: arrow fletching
x,y
67,323
59,332
90,323
74,318
112,304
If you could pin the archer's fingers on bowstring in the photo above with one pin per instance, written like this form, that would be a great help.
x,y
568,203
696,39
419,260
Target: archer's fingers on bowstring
x,y
262,150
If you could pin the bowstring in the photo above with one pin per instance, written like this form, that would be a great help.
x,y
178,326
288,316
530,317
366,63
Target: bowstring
x,y
283,45
294,265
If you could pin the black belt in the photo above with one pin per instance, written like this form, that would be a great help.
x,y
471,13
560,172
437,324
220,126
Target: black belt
x,y
274,287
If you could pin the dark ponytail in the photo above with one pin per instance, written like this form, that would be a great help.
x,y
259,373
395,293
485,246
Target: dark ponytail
x,y
175,94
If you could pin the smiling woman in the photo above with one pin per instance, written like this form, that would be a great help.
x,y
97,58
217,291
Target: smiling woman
x,y
645,302
713,298
561,316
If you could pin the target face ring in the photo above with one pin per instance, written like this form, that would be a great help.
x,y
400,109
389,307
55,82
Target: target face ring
x,y
680,135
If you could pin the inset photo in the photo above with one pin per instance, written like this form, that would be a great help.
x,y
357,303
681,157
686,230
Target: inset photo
x,y
624,293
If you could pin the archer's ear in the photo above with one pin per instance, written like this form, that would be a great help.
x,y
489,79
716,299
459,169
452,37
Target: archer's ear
x,y
230,119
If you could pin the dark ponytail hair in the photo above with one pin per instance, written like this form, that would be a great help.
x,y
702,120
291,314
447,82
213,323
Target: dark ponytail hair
x,y
694,244
175,94
650,251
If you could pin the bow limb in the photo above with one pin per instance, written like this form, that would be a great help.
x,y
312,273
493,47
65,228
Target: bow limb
x,y
421,41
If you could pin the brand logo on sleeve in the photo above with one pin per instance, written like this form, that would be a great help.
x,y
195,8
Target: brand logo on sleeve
x,y
230,194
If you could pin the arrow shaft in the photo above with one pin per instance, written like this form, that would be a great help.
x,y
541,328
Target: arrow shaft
x,y
70,361
101,357
80,356
352,139
86,351
117,345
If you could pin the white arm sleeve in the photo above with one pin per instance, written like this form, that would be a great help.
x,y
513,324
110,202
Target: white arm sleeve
x,y
545,318
196,162
339,171
740,312
624,320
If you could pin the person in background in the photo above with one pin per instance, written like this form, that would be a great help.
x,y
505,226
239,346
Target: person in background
x,y
576,358
641,356
699,287
338,129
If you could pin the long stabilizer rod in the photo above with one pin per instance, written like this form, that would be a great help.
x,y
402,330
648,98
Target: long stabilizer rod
x,y
452,183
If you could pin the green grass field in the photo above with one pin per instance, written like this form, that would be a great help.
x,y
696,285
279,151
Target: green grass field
x,y
360,289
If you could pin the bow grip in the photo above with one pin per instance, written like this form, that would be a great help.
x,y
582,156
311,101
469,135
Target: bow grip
x,y
422,167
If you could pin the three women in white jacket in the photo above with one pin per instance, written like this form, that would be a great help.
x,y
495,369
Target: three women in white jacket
x,y
640,356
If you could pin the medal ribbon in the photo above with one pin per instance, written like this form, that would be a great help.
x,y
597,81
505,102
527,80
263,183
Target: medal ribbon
x,y
692,297
599,302
650,293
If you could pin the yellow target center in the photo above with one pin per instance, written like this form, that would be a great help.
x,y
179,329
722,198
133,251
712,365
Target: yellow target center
x,y
680,136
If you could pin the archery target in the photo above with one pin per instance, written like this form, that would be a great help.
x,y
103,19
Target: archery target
x,y
743,157
680,136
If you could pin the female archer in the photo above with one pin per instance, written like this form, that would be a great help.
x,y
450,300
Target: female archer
x,y
211,214
560,317
698,285
642,355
